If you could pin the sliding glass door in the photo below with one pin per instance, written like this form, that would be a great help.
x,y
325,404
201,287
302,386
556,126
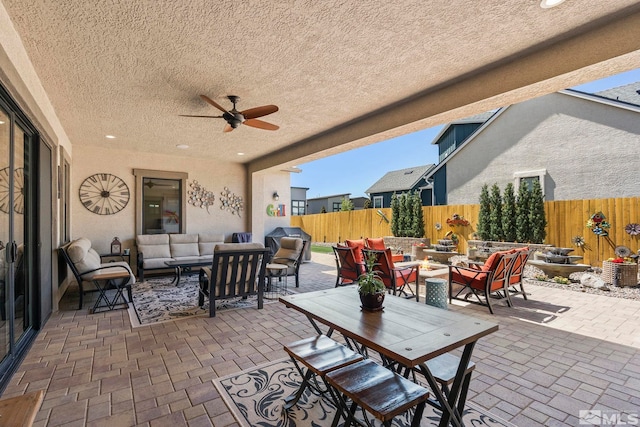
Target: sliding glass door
x,y
16,296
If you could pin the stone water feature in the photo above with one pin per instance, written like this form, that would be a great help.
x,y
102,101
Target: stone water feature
x,y
558,262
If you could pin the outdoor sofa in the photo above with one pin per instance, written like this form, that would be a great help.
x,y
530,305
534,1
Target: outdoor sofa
x,y
155,249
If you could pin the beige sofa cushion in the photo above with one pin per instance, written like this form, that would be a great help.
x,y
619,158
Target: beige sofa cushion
x,y
183,245
83,257
206,242
153,245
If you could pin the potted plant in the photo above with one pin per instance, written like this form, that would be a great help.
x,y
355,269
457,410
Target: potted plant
x,y
371,287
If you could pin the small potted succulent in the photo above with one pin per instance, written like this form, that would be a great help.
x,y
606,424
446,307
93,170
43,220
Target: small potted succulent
x,y
371,287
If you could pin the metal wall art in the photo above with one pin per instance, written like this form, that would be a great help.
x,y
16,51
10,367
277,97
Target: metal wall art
x,y
230,202
199,196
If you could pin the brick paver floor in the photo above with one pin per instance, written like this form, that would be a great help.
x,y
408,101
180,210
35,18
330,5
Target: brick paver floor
x,y
554,355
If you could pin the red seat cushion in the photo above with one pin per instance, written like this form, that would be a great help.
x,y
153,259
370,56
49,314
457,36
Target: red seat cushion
x,y
475,279
357,246
492,262
377,244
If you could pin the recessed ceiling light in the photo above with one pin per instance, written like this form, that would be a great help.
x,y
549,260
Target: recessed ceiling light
x,y
182,146
240,154
548,4
110,136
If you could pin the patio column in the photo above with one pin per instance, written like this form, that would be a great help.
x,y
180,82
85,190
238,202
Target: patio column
x,y
266,212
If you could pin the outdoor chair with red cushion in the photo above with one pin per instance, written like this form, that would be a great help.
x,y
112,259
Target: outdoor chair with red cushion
x,y
357,246
348,269
517,271
379,245
396,279
491,278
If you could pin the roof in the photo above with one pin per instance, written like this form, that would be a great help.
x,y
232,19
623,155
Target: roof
x,y
403,179
476,118
329,197
628,93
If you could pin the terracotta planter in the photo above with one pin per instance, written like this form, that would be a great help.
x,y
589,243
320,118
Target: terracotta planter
x,y
372,302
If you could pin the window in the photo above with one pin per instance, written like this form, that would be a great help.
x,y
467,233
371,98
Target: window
x,y
160,202
377,202
528,178
336,206
297,207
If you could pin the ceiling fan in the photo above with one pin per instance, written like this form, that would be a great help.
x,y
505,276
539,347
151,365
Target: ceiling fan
x,y
150,184
235,118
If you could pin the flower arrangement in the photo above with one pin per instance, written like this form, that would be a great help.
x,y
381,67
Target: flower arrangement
x,y
598,225
457,220
620,260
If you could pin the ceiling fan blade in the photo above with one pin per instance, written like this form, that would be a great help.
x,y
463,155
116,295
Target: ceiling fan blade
x,y
212,102
255,123
227,128
253,113
208,117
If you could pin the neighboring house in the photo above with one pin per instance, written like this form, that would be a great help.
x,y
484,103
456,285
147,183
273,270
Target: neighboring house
x,y
329,203
298,200
577,145
400,182
358,202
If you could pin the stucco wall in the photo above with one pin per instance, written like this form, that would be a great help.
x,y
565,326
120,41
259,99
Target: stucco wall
x,y
101,229
589,150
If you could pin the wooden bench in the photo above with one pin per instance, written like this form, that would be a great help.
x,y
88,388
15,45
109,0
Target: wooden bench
x,y
378,390
443,368
320,355
20,410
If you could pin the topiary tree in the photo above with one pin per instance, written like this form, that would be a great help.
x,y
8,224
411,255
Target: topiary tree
x,y
509,214
395,215
495,216
523,230
323,210
346,204
417,218
405,215
537,218
483,230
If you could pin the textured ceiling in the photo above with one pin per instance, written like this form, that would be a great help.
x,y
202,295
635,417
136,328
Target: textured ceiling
x,y
130,68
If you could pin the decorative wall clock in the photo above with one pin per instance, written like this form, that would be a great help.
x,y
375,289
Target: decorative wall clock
x,y
104,194
18,190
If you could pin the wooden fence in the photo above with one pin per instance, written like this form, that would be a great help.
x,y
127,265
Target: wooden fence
x,y
565,220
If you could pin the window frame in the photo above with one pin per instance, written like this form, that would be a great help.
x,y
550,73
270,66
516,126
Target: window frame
x,y
140,174
518,177
375,200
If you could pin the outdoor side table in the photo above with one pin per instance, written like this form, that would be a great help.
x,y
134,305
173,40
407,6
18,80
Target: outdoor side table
x,y
278,287
436,292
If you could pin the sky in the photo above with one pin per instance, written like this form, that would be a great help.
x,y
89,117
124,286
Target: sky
x,y
415,149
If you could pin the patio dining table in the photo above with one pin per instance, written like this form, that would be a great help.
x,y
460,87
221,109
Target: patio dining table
x,y
404,332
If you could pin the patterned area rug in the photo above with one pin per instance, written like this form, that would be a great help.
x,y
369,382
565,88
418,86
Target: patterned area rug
x,y
255,398
158,300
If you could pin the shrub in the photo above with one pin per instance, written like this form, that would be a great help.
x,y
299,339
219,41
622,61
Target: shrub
x,y
537,220
523,231
484,230
346,204
509,214
495,216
